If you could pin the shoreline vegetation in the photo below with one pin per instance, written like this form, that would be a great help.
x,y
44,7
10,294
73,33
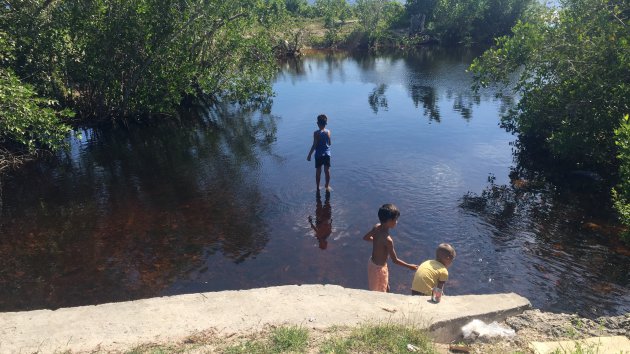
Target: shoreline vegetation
x,y
531,325
66,65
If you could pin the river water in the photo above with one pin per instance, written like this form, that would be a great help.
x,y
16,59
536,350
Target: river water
x,y
224,203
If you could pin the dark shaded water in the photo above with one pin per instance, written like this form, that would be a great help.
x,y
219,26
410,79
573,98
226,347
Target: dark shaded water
x,y
224,203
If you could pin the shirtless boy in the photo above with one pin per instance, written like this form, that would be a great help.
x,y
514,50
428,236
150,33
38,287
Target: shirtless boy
x,y
382,248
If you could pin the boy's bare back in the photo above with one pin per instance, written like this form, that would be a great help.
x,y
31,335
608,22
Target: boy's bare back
x,y
381,241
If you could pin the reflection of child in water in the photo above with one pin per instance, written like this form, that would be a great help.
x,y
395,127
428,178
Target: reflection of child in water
x,y
323,220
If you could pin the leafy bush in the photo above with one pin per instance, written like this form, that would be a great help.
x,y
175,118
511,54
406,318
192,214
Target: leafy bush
x,y
573,76
28,123
476,20
621,194
377,16
114,58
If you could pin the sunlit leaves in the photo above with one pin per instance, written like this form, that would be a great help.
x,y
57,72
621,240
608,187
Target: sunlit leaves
x,y
115,58
377,16
621,194
27,122
454,21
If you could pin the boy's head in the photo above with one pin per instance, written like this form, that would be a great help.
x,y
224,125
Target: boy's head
x,y
388,213
445,254
322,120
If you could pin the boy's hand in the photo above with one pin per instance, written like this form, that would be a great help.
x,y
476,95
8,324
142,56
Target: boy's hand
x,y
413,267
308,158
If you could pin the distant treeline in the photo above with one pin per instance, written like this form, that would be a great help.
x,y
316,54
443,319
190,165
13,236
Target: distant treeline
x,y
386,22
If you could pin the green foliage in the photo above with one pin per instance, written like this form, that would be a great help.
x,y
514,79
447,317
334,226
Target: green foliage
x,y
28,123
574,80
621,194
425,7
298,7
573,66
112,58
454,21
335,13
475,20
377,16
26,119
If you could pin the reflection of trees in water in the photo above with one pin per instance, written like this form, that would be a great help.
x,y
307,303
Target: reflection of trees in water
x,y
133,210
430,74
377,98
564,236
463,102
427,96
502,205
294,66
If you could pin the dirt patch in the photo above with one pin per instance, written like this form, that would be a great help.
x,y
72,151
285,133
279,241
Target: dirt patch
x,y
535,325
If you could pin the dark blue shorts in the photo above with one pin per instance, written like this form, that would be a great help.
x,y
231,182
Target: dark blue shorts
x,y
322,160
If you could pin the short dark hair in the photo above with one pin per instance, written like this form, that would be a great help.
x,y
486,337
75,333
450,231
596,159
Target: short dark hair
x,y
322,120
445,250
388,212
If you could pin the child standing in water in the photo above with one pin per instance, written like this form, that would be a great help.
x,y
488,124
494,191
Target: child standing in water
x,y
382,248
433,273
321,147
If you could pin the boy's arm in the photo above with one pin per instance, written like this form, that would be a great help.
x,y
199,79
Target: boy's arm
x,y
329,138
315,136
442,278
394,257
369,236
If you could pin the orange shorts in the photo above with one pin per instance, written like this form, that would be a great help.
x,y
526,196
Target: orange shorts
x,y
378,276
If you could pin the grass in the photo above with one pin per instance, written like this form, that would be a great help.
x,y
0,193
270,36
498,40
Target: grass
x,y
383,338
281,340
579,349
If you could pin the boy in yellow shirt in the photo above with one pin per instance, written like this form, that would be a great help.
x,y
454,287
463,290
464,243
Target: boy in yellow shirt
x,y
433,273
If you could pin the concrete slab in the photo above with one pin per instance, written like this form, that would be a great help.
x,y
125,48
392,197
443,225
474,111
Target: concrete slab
x,y
118,326
599,345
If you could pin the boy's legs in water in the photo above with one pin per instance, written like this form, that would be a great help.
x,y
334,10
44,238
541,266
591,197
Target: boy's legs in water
x,y
318,175
327,172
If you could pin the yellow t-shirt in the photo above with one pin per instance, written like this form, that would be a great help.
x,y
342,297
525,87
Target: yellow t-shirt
x,y
427,276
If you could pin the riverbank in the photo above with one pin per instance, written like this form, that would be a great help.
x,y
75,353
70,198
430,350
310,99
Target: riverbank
x,y
116,327
207,322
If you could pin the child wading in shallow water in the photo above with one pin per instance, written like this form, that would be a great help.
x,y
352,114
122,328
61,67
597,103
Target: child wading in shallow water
x,y
382,248
321,147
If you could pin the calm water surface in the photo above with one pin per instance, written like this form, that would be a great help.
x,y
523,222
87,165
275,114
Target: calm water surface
x,y
225,203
